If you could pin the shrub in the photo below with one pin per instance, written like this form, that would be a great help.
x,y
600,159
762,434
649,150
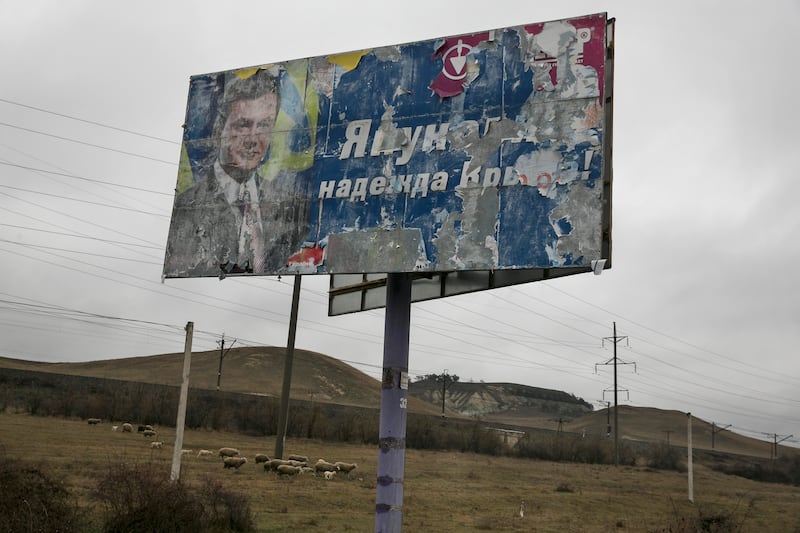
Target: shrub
x,y
140,498
665,457
573,448
781,470
32,501
564,487
224,510
710,520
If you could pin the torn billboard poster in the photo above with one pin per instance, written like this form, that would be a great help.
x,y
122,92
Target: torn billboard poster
x,y
488,151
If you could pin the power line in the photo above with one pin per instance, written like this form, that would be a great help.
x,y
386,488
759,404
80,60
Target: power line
x,y
74,176
78,236
79,200
102,125
51,210
132,154
42,247
749,370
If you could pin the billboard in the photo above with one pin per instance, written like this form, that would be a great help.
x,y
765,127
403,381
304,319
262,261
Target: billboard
x,y
481,152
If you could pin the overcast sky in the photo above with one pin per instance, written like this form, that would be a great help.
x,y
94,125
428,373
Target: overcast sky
x,y
705,202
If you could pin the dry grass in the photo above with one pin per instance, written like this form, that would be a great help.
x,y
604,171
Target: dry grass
x,y
444,491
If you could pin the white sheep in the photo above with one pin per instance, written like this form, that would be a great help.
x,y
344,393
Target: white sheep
x,y
324,466
228,452
345,467
233,462
184,451
114,428
261,458
287,470
157,444
301,458
149,433
127,428
329,474
205,453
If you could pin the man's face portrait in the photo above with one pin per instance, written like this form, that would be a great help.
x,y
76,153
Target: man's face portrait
x,y
247,133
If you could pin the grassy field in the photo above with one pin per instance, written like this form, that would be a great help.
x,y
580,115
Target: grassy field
x,y
444,491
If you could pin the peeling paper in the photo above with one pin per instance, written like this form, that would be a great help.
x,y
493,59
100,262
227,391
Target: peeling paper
x,y
456,54
348,61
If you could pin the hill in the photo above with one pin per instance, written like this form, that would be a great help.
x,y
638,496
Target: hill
x,y
320,378
506,403
649,424
248,370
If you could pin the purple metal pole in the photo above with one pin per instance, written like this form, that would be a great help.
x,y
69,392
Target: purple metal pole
x,y
394,398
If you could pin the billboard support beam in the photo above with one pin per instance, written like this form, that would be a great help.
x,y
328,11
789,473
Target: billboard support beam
x,y
394,400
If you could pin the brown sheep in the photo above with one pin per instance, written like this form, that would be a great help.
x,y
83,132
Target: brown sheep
x,y
228,452
233,462
287,470
345,467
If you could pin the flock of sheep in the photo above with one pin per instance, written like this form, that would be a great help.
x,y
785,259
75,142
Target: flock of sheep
x,y
291,466
231,458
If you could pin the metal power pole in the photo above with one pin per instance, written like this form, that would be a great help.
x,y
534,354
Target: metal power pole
x,y
775,443
445,378
444,389
689,457
222,353
714,431
607,405
615,361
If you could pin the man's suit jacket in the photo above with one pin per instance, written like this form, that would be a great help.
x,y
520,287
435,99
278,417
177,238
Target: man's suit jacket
x,y
204,232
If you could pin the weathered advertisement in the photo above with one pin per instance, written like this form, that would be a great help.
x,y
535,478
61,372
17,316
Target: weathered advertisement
x,y
487,151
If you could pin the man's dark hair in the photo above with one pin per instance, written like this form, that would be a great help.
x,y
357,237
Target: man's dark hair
x,y
255,86
236,88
